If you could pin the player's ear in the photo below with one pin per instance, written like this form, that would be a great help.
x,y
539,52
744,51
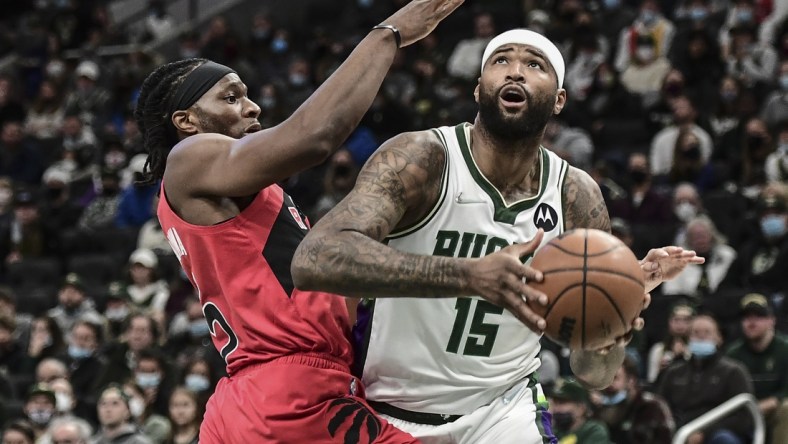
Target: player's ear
x,y
560,101
476,91
184,121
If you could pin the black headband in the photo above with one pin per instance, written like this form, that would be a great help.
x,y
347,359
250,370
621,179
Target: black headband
x,y
200,80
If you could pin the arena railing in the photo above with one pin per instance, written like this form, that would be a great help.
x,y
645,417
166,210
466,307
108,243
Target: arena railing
x,y
745,399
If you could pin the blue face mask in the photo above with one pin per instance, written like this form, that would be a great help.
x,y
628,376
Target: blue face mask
x,y
744,16
698,14
148,380
702,349
199,328
279,46
648,16
197,383
784,82
773,226
614,399
76,352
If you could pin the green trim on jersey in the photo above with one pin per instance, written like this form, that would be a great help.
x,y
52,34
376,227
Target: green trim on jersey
x,y
503,212
444,187
561,180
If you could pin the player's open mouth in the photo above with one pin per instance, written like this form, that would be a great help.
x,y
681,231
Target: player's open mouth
x,y
512,96
253,128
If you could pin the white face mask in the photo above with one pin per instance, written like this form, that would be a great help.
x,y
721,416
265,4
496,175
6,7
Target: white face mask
x,y
64,402
645,53
686,211
136,407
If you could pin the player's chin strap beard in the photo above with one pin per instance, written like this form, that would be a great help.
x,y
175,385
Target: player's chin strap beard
x,y
194,86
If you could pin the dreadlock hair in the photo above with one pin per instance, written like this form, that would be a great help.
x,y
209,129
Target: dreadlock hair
x,y
152,114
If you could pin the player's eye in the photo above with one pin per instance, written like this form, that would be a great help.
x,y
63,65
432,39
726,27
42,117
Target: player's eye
x,y
536,65
500,59
231,99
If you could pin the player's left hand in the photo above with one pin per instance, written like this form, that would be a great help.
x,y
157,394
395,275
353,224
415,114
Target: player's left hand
x,y
664,264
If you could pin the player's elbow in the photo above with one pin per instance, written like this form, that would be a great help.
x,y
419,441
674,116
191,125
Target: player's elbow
x,y
304,270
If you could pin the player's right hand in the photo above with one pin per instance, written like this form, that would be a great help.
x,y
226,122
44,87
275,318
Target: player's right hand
x,y
420,17
501,279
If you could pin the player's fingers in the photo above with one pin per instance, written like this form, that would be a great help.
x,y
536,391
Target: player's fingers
x,y
517,305
531,274
638,324
531,294
646,300
655,254
529,247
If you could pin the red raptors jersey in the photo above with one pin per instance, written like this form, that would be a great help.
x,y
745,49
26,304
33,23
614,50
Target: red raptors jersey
x,y
241,271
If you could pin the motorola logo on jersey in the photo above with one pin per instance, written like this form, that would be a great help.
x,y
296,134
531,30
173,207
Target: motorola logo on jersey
x,y
545,217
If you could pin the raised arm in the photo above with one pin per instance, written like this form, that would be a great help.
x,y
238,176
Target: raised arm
x,y
344,252
230,167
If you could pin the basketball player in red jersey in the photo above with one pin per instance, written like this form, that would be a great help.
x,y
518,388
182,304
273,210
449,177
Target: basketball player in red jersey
x,y
234,231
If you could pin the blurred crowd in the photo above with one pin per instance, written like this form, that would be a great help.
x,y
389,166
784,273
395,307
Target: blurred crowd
x,y
677,108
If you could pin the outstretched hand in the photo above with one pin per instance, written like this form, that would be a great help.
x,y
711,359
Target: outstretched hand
x,y
664,264
500,278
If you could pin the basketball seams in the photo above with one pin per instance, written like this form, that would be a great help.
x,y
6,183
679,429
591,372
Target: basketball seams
x,y
572,253
612,302
594,270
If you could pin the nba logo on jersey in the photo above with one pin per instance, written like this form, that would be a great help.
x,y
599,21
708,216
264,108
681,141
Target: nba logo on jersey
x,y
297,216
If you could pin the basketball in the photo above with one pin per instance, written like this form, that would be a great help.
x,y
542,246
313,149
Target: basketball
x,y
594,285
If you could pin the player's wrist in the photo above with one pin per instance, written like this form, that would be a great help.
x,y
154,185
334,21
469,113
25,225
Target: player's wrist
x,y
392,30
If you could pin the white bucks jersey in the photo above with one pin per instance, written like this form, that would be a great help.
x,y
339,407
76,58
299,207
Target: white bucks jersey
x,y
453,355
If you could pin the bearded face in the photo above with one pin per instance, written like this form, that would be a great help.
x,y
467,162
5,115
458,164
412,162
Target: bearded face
x,y
512,126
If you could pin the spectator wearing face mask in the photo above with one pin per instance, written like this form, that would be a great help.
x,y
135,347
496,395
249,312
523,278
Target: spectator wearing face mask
x,y
693,387
140,333
645,73
86,365
649,21
663,145
571,410
760,265
753,63
39,407
153,375
189,338
156,427
115,419
631,414
688,165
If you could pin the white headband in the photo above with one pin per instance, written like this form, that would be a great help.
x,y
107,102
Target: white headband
x,y
526,37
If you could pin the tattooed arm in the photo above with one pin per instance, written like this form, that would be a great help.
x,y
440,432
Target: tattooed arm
x,y
583,203
399,184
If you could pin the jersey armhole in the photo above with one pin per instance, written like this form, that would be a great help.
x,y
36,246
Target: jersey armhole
x,y
438,203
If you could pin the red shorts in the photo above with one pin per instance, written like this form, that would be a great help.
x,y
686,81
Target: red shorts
x,y
296,399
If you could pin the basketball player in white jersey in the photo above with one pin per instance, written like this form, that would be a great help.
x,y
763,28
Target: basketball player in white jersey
x,y
428,211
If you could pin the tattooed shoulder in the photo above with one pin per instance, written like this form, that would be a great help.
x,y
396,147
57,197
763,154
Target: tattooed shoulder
x,y
408,169
584,206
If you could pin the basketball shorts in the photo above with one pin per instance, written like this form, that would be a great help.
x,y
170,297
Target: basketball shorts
x,y
294,400
519,416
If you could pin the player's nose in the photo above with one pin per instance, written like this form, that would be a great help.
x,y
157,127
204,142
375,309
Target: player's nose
x,y
251,109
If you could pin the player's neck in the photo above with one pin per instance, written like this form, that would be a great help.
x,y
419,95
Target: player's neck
x,y
506,163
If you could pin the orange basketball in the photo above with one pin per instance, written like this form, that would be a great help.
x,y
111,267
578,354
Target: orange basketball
x,y
594,285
